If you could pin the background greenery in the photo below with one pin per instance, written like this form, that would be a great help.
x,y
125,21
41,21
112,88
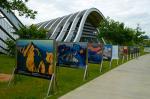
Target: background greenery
x,y
115,32
18,5
25,32
25,87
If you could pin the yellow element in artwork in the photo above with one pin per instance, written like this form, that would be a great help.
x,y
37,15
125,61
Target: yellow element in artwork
x,y
49,59
41,68
25,51
30,59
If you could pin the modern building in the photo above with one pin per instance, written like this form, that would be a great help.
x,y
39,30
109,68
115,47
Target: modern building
x,y
77,27
9,23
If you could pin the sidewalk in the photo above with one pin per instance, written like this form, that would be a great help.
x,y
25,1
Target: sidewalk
x,y
128,81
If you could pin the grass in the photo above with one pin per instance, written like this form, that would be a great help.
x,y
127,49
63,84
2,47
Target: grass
x,y
25,87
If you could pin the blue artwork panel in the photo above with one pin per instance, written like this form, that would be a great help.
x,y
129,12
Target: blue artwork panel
x,y
35,58
72,54
121,54
95,53
136,50
147,49
125,50
107,53
131,49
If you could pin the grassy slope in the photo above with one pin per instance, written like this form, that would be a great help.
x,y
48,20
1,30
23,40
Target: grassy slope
x,y
26,87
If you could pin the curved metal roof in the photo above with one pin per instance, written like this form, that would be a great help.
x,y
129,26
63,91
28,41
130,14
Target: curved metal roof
x,y
62,28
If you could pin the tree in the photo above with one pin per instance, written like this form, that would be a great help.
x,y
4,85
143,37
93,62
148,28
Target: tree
x,y
31,32
18,5
139,37
11,46
115,32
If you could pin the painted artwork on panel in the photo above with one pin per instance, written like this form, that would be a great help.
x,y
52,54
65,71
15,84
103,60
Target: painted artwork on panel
x,y
107,53
125,50
147,49
72,54
115,52
35,57
136,49
121,54
95,52
131,49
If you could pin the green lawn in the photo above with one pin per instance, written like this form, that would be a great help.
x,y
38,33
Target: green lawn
x,y
25,87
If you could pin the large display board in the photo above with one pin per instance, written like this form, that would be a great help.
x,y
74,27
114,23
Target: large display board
x,y
138,49
72,54
121,52
125,50
147,49
107,52
115,52
35,58
135,49
131,50
95,52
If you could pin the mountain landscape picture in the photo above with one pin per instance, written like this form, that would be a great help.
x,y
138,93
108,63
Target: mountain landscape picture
x,y
35,57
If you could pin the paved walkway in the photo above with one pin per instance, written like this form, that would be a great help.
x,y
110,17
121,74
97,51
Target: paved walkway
x,y
128,81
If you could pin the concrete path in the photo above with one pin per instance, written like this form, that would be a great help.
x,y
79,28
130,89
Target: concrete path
x,y
128,81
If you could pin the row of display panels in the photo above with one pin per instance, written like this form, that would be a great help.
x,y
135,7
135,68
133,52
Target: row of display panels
x,y
147,49
38,57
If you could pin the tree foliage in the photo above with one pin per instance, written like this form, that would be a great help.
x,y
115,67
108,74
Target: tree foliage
x,y
31,32
11,46
20,6
139,37
116,33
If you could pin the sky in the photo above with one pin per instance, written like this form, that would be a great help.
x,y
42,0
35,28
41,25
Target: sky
x,y
131,12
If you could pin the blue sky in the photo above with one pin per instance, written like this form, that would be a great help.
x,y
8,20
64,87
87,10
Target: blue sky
x,y
131,12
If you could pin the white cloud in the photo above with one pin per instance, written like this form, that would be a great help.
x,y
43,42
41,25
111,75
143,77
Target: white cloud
x,y
131,12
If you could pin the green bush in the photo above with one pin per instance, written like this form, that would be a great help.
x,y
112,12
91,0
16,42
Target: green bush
x,y
31,32
11,46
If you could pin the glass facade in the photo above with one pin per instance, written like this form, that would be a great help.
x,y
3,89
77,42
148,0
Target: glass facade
x,y
6,32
